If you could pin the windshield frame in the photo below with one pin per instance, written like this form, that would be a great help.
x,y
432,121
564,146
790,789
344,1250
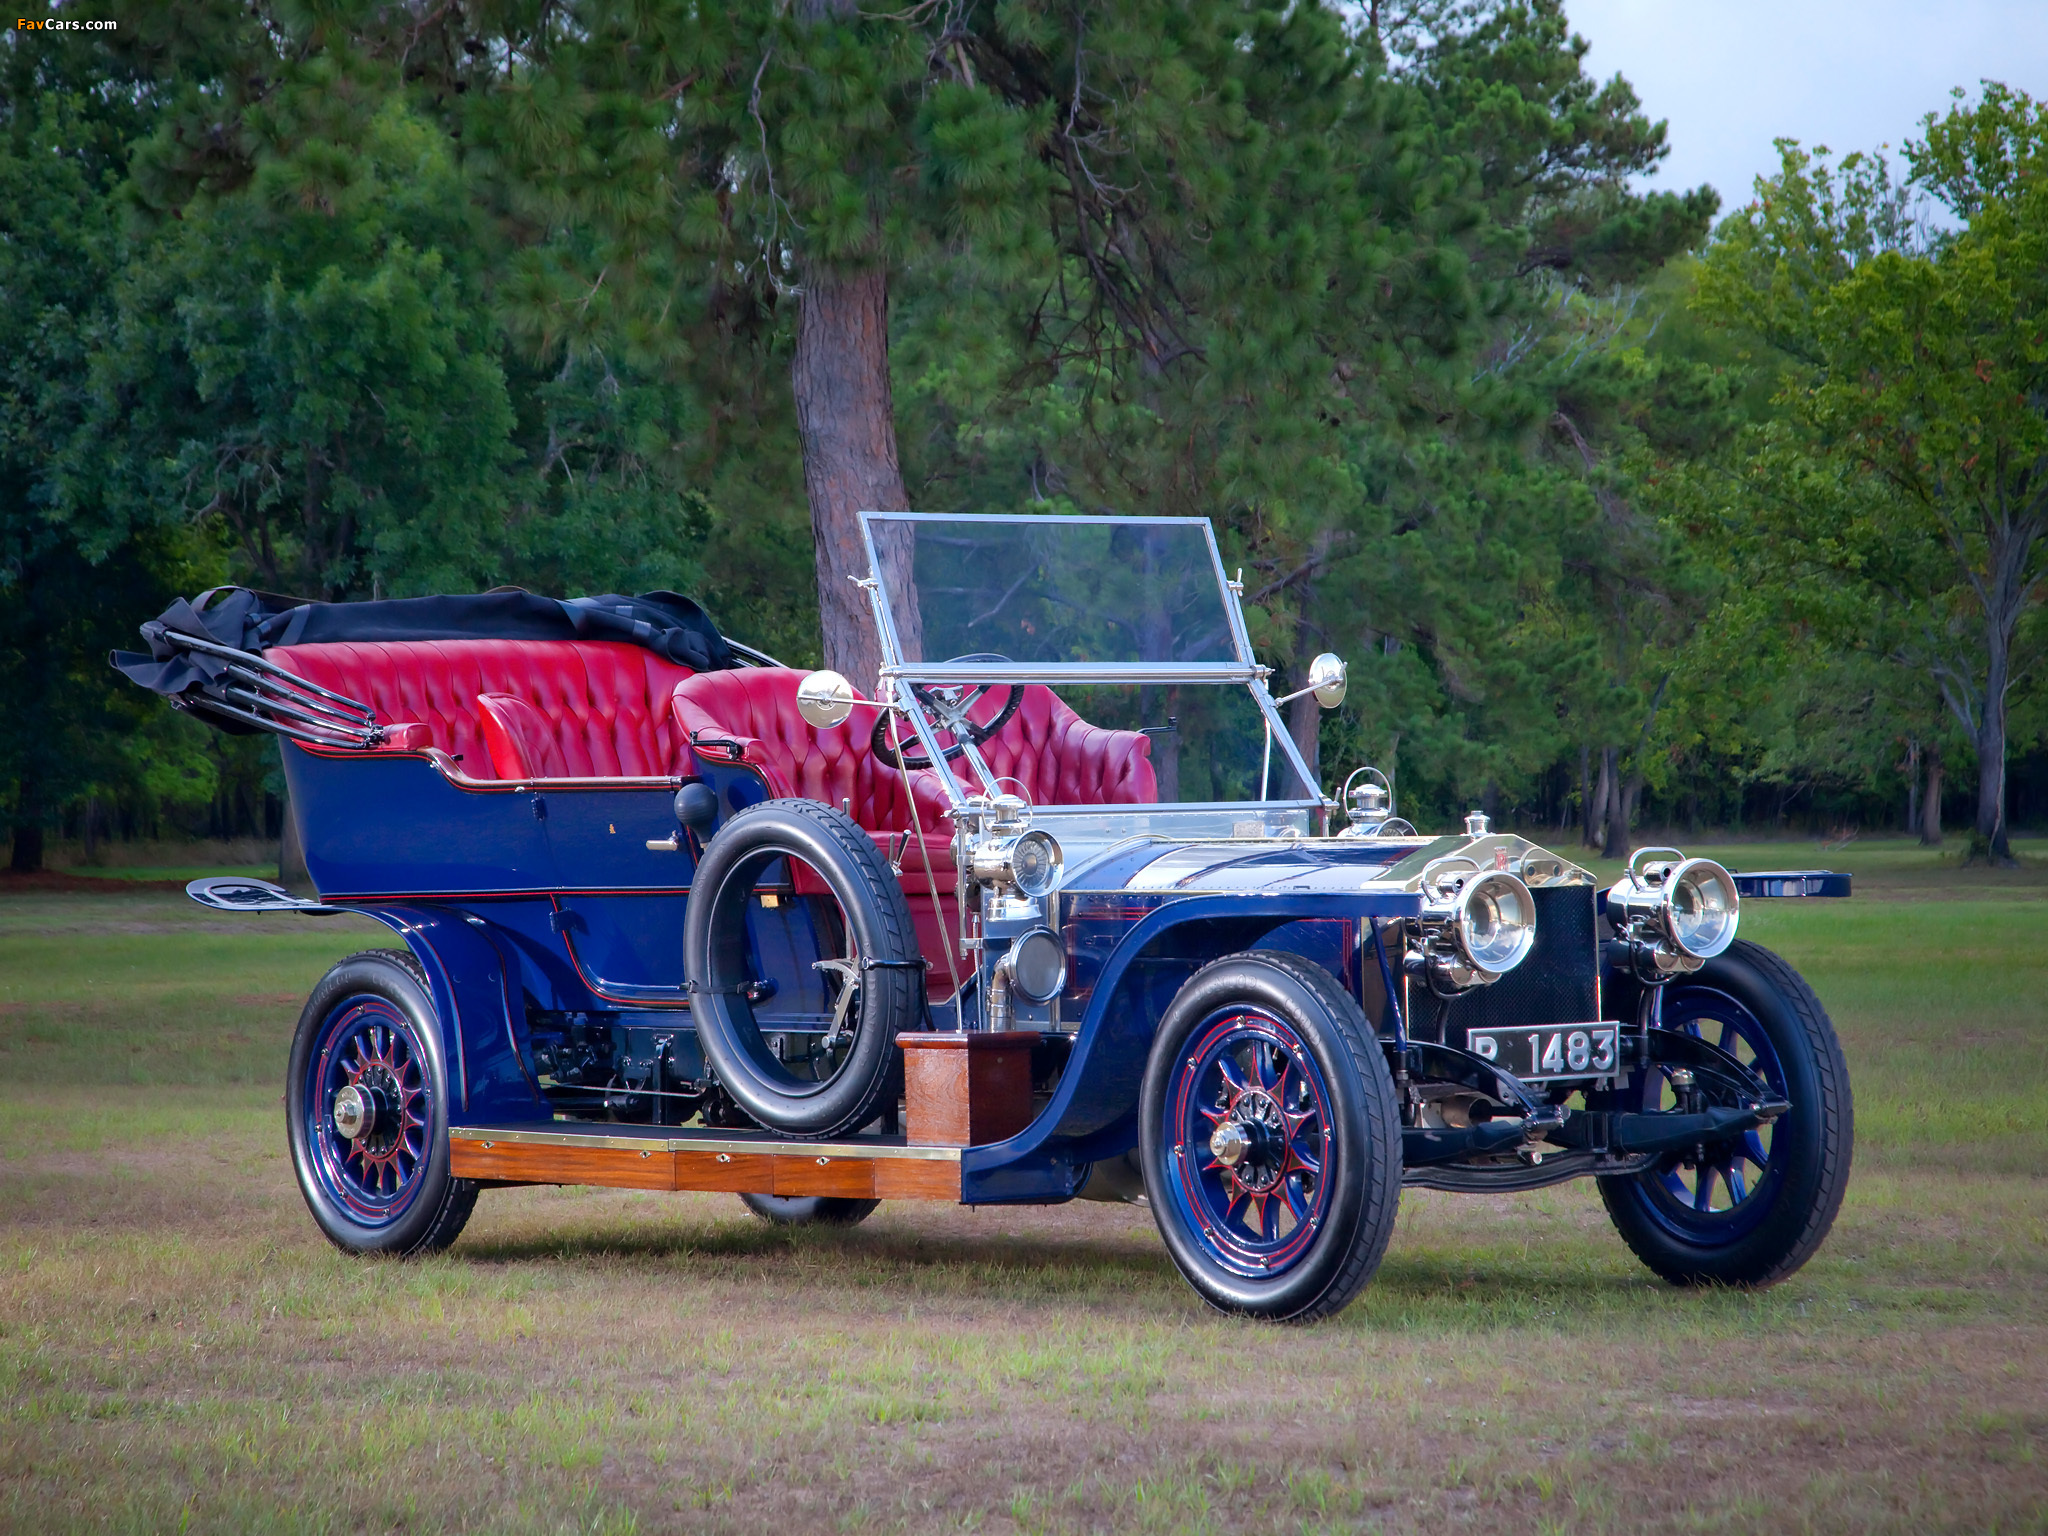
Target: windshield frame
x,y
897,676
1243,670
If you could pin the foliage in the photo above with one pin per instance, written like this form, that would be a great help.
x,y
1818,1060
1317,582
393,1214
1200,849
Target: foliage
x,y
1912,459
360,298
72,733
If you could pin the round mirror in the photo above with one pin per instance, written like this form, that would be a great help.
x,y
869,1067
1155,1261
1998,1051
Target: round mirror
x,y
825,699
1326,675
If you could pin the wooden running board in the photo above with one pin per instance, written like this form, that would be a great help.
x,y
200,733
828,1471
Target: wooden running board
x,y
722,1162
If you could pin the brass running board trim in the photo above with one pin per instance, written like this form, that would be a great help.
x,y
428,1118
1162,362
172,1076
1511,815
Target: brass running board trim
x,y
698,1142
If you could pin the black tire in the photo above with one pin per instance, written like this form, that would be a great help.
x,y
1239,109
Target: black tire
x,y
1806,1171
1350,1207
428,1206
810,1210
715,960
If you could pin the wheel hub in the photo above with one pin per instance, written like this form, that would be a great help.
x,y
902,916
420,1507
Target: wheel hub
x,y
1250,1142
371,1104
363,1111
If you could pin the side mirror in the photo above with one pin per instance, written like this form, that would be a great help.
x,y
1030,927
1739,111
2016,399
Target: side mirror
x,y
1326,678
824,699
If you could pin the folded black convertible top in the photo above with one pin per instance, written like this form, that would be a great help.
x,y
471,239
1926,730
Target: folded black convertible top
x,y
207,652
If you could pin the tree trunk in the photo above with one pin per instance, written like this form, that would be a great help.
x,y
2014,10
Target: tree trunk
x,y
1305,715
28,849
1589,808
1603,792
28,829
1991,841
1912,786
1305,725
846,418
1930,802
1615,844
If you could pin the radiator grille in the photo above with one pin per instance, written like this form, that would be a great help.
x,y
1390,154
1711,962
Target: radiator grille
x,y
1559,982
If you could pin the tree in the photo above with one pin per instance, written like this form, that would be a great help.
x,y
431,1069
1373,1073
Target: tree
x,y
308,362
70,729
1921,391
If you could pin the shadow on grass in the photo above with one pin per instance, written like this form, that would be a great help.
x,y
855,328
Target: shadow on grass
x,y
1475,1291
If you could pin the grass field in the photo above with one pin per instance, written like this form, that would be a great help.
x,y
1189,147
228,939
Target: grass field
x,y
180,1350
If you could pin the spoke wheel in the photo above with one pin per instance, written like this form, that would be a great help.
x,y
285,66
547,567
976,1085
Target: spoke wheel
x,y
810,1210
798,1010
1270,1138
1724,1193
368,1045
1748,1209
1251,1125
367,1110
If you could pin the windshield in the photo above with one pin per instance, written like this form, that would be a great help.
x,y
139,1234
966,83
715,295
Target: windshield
x,y
1126,622
1055,592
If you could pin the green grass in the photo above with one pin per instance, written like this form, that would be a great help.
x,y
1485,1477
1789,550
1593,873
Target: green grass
x,y
179,1348
168,871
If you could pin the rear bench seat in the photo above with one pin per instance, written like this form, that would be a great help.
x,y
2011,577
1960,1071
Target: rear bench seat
x,y
511,709
523,709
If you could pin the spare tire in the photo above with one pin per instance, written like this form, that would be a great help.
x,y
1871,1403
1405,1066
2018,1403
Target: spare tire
x,y
844,1088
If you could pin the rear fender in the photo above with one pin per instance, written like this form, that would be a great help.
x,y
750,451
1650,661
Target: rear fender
x,y
481,1011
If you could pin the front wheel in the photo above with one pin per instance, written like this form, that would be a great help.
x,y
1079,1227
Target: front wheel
x,y
1271,1138
1751,1209
366,1110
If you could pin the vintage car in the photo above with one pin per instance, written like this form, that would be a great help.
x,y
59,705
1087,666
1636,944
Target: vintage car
x,y
1062,912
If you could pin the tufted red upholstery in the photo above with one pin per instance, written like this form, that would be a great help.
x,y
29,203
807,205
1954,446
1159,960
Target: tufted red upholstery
x,y
755,708
1056,756
600,708
1061,759
518,739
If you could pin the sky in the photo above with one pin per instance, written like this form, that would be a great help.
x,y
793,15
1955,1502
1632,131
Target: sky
x,y
1732,75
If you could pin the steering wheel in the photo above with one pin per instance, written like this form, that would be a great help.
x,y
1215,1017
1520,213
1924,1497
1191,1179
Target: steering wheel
x,y
951,706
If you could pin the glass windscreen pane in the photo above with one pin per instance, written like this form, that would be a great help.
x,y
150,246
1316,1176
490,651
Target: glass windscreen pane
x,y
1208,741
1205,743
1050,592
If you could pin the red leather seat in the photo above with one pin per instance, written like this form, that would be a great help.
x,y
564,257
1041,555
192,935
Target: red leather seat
x,y
1058,758
557,709
1055,756
753,711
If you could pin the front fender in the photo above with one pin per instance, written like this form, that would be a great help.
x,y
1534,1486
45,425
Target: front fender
x,y
1093,1112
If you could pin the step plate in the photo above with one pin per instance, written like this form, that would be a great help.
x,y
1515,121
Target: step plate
x,y
629,1157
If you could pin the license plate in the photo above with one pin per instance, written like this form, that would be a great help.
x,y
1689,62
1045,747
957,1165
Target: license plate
x,y
1549,1050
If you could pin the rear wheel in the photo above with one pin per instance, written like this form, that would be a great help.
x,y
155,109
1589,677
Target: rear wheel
x,y
1270,1137
810,1210
366,1110
1750,1209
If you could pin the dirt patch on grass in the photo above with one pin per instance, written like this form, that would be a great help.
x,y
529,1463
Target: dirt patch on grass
x,y
49,882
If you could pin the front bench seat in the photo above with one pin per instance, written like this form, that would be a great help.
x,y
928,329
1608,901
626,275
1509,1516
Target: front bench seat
x,y
752,717
557,708
1052,753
